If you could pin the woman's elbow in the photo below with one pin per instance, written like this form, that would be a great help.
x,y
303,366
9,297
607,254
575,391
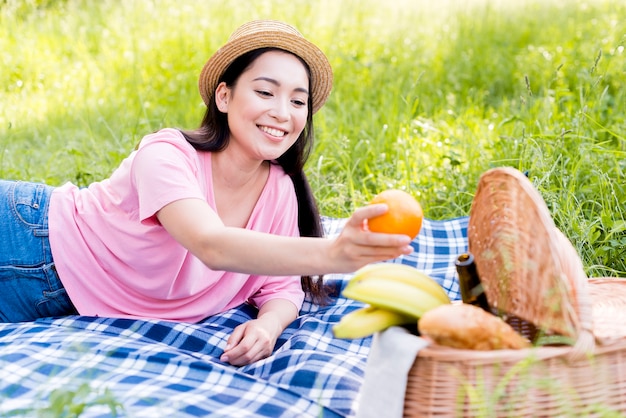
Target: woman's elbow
x,y
212,251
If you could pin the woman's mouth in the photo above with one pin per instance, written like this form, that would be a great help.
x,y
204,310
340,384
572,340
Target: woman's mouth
x,y
273,131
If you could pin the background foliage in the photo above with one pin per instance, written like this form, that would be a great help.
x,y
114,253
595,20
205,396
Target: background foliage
x,y
427,96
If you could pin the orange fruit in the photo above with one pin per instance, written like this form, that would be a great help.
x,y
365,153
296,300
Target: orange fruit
x,y
404,216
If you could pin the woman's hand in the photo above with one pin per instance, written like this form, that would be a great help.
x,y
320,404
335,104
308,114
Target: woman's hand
x,y
356,246
255,340
249,342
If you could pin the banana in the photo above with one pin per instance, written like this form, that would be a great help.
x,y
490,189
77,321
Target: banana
x,y
401,273
393,295
366,321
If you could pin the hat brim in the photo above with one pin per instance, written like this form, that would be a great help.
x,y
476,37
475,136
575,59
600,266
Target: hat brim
x,y
321,71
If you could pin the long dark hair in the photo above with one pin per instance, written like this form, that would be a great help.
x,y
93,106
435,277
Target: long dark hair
x,y
213,135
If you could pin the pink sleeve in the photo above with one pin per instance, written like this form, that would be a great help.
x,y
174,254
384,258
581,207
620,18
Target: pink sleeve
x,y
277,287
162,173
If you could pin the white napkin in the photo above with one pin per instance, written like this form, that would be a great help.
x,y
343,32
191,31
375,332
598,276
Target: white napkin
x,y
389,361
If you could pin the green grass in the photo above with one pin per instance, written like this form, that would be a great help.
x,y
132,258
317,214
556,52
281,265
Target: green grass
x,y
426,97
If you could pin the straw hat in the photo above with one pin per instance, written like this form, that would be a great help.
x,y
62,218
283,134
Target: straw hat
x,y
263,34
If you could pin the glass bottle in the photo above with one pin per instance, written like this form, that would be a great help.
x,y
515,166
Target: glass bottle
x,y
472,290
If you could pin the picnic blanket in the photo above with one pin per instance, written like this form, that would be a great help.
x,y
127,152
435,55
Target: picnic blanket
x,y
105,367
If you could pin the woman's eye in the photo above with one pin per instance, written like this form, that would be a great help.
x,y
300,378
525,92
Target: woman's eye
x,y
298,102
263,93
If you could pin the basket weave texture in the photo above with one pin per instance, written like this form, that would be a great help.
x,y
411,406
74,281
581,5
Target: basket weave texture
x,y
532,274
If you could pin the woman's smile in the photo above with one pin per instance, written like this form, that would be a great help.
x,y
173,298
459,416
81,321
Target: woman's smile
x,y
273,132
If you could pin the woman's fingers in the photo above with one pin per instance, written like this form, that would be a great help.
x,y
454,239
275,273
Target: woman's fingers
x,y
366,212
365,237
371,254
247,344
359,246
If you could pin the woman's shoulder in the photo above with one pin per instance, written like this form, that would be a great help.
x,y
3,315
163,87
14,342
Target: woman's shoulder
x,y
166,135
166,148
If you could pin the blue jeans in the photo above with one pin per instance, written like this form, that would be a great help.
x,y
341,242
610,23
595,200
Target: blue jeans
x,y
29,285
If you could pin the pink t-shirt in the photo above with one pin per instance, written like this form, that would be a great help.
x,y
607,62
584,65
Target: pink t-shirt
x,y
116,260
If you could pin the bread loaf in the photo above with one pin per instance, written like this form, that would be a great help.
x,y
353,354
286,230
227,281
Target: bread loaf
x,y
469,327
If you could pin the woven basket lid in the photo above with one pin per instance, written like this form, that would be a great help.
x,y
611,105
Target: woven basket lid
x,y
527,266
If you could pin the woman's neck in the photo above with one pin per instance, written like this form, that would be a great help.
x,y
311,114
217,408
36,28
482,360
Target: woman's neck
x,y
233,172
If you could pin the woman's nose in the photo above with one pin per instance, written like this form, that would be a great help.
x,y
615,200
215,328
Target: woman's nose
x,y
280,110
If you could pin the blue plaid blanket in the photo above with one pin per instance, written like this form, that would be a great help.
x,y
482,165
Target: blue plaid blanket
x,y
105,367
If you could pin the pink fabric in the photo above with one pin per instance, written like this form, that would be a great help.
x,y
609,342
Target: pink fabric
x,y
116,260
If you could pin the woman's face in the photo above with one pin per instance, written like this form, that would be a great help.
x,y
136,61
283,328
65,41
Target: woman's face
x,y
267,107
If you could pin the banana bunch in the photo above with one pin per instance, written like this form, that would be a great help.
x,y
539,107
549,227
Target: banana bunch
x,y
396,294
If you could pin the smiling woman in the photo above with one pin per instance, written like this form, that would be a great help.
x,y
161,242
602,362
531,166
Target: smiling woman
x,y
164,236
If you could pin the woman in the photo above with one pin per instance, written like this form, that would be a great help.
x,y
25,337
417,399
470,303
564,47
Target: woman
x,y
194,223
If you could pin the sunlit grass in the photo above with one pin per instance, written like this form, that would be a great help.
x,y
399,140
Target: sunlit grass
x,y
427,96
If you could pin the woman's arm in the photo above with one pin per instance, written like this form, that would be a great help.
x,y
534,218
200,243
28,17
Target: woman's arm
x,y
254,340
194,224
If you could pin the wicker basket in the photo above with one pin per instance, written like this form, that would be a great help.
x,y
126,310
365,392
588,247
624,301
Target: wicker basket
x,y
531,272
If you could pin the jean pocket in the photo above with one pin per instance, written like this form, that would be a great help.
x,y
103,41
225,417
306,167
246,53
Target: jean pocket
x,y
29,202
56,303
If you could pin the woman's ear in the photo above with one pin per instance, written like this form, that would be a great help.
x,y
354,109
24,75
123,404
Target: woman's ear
x,y
222,94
